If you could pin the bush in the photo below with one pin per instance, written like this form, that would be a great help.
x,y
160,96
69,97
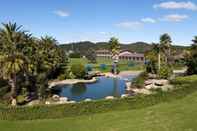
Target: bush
x,y
88,67
165,72
131,64
103,66
75,55
138,82
78,70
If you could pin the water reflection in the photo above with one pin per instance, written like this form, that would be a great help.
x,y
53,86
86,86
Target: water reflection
x,y
78,89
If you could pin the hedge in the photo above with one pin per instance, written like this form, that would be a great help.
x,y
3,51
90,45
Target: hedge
x,y
88,108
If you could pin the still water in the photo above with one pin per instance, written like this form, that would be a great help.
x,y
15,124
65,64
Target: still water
x,y
102,88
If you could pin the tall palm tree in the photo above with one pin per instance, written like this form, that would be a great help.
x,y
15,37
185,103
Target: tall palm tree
x,y
165,44
115,49
12,62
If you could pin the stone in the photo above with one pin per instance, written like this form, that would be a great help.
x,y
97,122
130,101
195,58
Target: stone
x,y
151,86
161,82
63,99
109,97
34,102
14,102
124,95
47,103
71,102
152,76
148,82
88,99
55,97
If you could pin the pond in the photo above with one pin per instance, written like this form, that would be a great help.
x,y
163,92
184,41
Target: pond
x,y
102,88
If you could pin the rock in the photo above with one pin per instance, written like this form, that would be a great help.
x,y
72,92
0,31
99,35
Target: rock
x,y
151,86
88,99
124,95
47,103
63,99
152,76
161,82
34,102
55,97
148,82
142,91
71,102
14,102
109,97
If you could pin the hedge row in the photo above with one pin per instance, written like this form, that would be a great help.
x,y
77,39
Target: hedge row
x,y
87,108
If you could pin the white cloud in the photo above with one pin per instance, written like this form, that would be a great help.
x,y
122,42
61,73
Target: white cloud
x,y
130,24
175,18
62,13
177,5
148,20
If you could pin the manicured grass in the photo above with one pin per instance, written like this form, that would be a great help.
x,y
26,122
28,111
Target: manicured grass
x,y
123,64
178,115
177,112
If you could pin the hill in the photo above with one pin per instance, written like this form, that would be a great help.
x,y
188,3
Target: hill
x,y
139,47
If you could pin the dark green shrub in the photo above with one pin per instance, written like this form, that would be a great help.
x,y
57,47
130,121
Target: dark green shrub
x,y
78,70
88,67
131,64
165,72
74,55
103,66
138,82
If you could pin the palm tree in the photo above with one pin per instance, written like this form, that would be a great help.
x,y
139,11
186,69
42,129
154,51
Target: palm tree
x,y
165,44
12,62
156,49
115,49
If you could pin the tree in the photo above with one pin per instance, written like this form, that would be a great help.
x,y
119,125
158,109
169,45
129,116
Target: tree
x,y
115,49
91,56
78,71
12,61
165,45
191,58
29,59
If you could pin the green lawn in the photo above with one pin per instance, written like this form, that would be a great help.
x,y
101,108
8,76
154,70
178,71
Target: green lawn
x,y
123,64
178,115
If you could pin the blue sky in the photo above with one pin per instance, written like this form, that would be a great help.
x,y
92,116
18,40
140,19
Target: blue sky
x,y
98,20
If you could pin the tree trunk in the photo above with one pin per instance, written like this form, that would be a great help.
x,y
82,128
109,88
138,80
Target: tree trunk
x,y
159,61
13,91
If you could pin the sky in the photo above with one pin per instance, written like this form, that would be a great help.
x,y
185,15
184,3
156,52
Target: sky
x,y
98,20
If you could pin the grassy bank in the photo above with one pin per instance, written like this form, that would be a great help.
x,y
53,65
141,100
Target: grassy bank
x,y
174,111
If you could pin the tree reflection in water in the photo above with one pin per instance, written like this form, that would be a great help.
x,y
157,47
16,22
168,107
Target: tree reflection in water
x,y
78,89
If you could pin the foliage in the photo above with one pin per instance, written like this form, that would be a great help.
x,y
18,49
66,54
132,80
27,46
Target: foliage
x,y
74,55
87,108
138,82
165,72
91,56
131,63
114,46
28,62
88,67
191,58
103,66
78,71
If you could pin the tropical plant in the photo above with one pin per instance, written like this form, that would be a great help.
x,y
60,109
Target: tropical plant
x,y
29,59
191,58
78,70
91,56
115,49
